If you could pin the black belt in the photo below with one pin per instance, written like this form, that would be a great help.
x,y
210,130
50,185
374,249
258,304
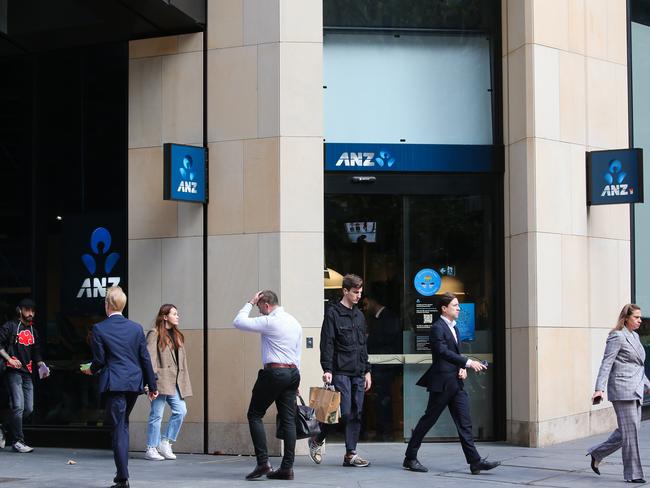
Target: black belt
x,y
279,365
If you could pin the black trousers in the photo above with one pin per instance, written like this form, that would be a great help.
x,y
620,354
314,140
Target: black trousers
x,y
277,385
457,401
118,407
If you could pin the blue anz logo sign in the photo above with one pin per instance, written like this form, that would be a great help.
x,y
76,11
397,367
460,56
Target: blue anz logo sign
x,y
185,173
187,184
614,177
101,262
412,158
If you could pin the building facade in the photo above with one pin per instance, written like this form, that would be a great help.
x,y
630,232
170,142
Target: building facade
x,y
426,146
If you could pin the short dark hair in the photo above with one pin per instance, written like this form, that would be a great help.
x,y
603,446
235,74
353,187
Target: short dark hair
x,y
268,296
445,299
352,281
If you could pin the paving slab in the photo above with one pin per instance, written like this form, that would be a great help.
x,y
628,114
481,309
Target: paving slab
x,y
560,466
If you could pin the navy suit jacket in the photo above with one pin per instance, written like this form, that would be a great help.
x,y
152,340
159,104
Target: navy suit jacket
x,y
446,359
120,356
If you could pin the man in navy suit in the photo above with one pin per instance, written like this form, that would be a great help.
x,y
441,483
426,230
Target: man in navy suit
x,y
120,357
444,381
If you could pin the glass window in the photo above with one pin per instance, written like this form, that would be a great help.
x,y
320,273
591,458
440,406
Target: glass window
x,y
440,223
418,88
63,143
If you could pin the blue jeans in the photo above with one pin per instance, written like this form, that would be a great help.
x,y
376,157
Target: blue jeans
x,y
21,402
177,404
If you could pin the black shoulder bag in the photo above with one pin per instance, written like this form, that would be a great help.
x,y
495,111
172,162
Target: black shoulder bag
x,y
306,423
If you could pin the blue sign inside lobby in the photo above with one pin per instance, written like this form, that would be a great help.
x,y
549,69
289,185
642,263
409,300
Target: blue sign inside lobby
x,y
185,173
615,176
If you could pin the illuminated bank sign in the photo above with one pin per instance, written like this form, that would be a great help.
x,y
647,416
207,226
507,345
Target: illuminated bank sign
x,y
185,173
100,263
409,158
93,258
614,176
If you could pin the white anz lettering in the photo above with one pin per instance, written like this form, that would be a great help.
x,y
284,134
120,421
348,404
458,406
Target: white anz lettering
x,y
187,187
96,287
614,190
356,159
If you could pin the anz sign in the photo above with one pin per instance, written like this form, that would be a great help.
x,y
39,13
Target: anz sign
x,y
413,158
368,159
614,177
185,173
99,263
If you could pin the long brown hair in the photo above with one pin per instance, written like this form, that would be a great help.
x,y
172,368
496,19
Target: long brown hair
x,y
163,337
626,312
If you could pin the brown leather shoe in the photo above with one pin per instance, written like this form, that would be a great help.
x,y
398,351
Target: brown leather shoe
x,y
259,471
280,474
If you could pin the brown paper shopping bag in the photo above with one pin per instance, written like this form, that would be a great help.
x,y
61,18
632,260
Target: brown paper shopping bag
x,y
325,401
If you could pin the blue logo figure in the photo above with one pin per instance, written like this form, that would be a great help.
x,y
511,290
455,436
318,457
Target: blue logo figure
x,y
615,173
100,236
427,282
385,158
186,169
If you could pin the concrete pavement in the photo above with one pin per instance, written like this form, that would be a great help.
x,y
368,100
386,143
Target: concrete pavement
x,y
559,466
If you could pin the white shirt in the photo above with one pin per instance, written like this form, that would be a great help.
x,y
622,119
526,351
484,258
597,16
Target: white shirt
x,y
451,324
281,334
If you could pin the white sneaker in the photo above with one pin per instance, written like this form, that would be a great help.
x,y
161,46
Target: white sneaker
x,y
316,450
22,447
165,449
152,454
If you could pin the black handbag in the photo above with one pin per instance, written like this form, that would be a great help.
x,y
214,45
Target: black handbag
x,y
306,423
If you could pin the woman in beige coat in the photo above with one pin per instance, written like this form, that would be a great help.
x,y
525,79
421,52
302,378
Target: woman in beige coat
x,y
165,343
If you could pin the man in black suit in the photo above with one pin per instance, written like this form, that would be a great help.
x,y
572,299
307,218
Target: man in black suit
x,y
120,357
444,381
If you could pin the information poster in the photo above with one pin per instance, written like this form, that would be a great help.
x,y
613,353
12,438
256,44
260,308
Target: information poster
x,y
466,322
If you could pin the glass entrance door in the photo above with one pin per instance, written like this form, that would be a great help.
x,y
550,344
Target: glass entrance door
x,y
412,239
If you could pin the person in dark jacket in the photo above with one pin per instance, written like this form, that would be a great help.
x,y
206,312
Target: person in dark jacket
x,y
20,349
121,358
344,359
444,381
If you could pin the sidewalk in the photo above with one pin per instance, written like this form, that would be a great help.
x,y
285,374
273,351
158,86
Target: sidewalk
x,y
563,465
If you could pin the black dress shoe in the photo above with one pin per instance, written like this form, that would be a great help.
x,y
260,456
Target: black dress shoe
x,y
121,484
637,480
259,471
280,474
483,465
414,465
594,464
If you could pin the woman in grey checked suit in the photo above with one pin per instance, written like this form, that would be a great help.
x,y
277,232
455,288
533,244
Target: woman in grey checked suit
x,y
622,371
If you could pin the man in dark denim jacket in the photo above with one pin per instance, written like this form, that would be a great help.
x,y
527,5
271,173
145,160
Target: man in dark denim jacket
x,y
344,359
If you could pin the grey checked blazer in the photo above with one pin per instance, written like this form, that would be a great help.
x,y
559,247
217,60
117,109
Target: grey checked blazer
x,y
622,367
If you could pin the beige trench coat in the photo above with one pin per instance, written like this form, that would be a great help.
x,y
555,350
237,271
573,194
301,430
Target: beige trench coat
x,y
168,373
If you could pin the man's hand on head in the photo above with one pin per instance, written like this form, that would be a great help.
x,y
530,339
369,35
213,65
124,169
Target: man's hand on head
x,y
256,298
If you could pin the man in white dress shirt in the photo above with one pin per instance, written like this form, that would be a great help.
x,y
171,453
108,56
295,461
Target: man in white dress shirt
x,y
277,381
